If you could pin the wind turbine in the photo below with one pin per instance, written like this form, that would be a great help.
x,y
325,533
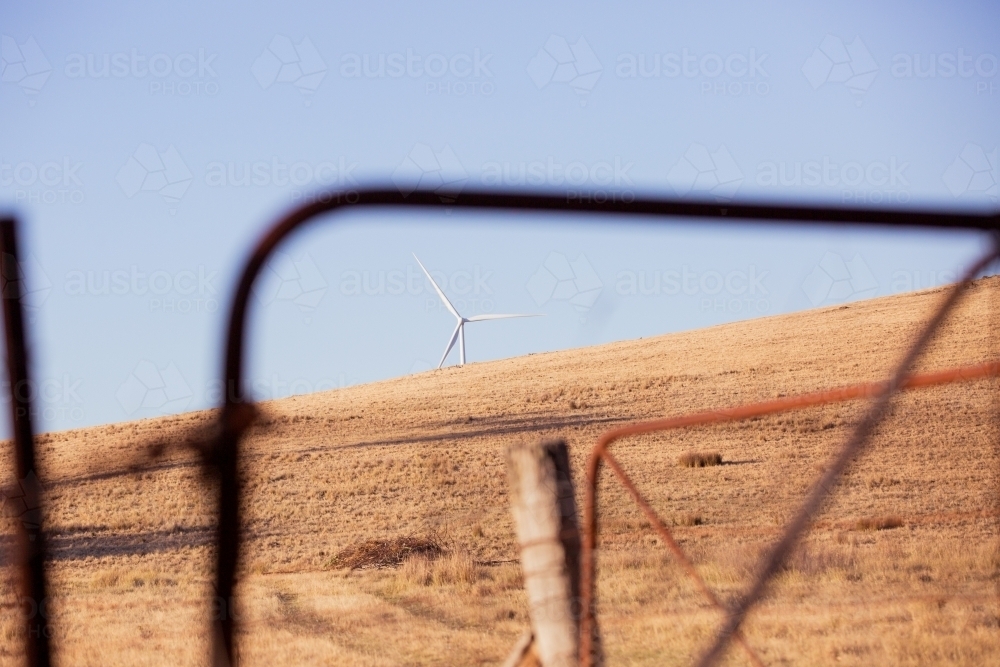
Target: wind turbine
x,y
459,332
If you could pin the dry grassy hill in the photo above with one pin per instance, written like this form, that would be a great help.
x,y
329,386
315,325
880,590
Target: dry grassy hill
x,y
422,456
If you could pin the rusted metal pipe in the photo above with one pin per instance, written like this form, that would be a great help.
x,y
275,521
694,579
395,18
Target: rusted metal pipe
x,y
30,535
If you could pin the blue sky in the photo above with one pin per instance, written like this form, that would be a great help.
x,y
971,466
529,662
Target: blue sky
x,y
146,144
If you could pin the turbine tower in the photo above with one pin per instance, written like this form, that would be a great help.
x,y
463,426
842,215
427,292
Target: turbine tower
x,y
459,332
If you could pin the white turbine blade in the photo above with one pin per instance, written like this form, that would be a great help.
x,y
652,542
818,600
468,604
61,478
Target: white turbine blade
x,y
451,343
438,290
498,316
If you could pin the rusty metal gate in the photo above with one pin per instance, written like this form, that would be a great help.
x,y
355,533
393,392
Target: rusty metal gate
x,y
221,449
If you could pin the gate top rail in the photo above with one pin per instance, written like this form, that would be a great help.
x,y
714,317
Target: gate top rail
x,y
236,415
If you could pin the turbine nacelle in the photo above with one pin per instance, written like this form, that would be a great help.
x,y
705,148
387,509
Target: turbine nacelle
x,y
459,333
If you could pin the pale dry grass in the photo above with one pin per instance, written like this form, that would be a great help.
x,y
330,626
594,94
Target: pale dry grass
x,y
373,553
879,523
423,456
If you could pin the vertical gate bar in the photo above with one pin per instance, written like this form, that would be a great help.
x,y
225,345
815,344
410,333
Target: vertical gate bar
x,y
994,311
31,538
227,547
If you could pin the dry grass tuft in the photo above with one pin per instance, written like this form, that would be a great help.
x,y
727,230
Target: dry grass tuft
x,y
385,553
690,520
455,568
700,460
878,523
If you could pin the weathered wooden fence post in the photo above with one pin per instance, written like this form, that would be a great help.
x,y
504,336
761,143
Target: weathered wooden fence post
x,y
544,509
